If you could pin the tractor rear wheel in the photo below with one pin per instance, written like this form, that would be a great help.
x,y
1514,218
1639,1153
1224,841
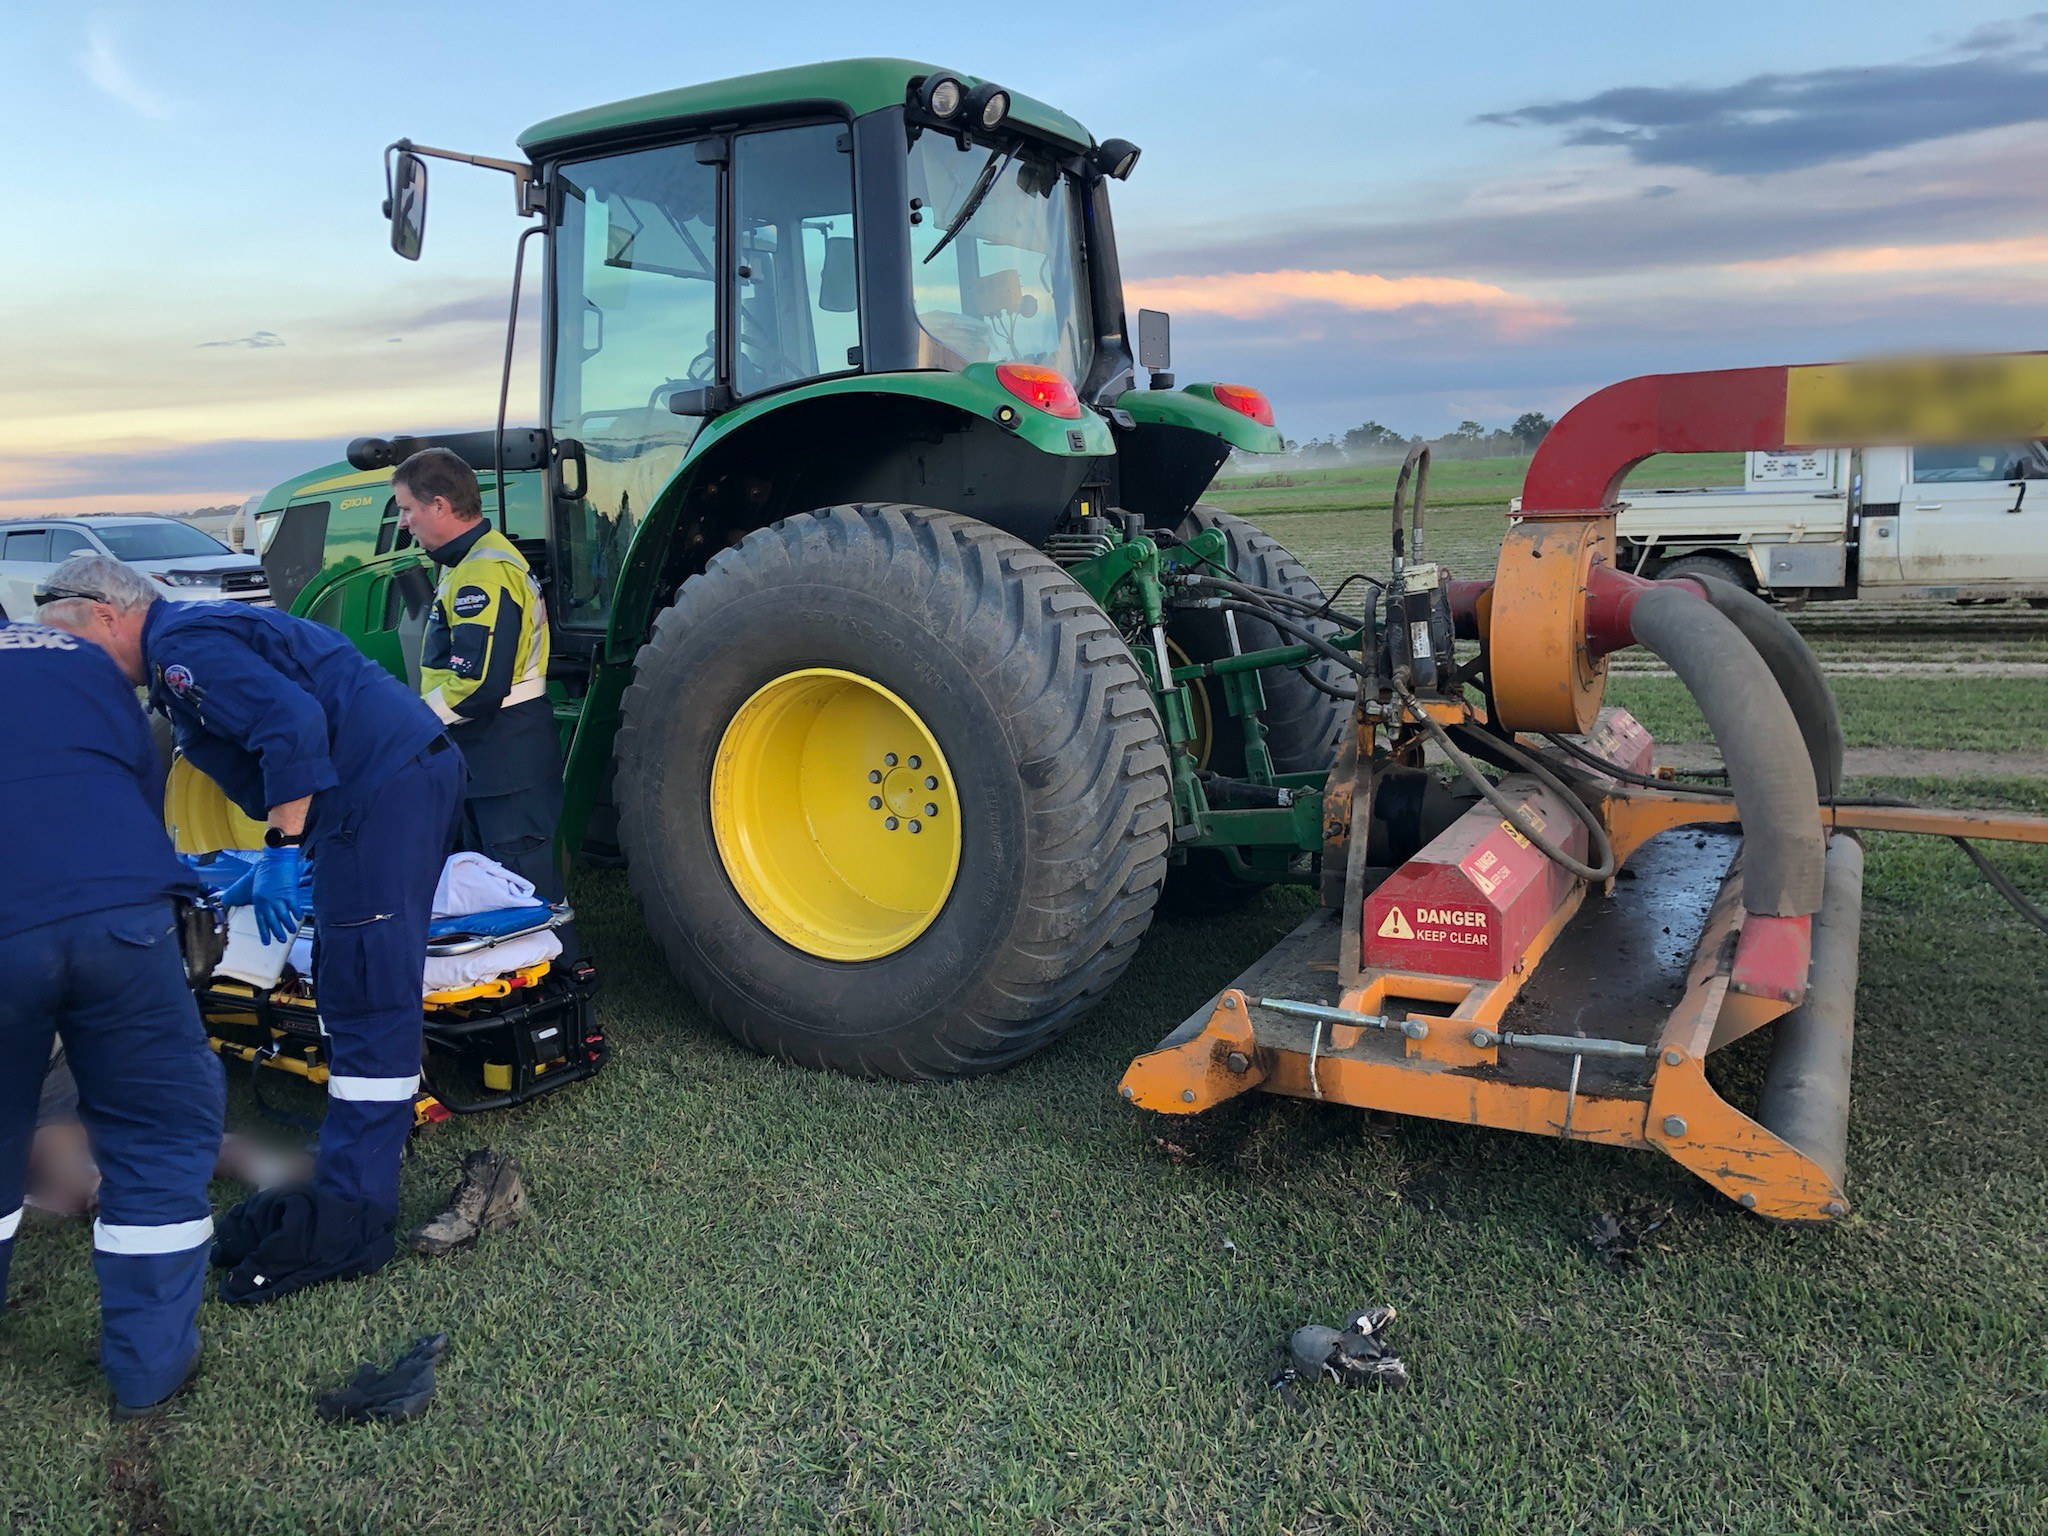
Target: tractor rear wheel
x,y
893,793
1303,723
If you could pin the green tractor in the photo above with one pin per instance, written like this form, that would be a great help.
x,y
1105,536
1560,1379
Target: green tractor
x,y
893,648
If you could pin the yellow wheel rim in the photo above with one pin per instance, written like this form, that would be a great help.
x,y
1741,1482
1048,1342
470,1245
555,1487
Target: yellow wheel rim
x,y
835,815
199,815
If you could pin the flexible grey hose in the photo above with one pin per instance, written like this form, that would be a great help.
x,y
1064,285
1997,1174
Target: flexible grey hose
x,y
1785,847
1798,672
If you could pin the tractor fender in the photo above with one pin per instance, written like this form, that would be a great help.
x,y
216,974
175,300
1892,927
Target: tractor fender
x,y
821,445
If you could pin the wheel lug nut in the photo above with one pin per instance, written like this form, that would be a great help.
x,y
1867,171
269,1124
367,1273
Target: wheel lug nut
x,y
874,802
890,759
916,761
890,823
916,827
931,810
930,782
874,775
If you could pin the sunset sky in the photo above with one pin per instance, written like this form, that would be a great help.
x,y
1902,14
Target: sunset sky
x,y
1415,214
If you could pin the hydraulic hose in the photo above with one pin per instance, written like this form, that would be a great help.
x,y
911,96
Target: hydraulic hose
x,y
1597,841
1602,868
1772,779
1798,672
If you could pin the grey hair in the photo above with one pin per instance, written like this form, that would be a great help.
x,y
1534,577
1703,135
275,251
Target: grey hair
x,y
87,579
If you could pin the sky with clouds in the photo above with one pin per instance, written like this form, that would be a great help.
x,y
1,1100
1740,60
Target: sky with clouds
x,y
1414,214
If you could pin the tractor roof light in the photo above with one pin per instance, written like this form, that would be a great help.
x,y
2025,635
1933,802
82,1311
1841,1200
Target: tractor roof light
x,y
1115,158
942,96
1043,389
987,106
1246,401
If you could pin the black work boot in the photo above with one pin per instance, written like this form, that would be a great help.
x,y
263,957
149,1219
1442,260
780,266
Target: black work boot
x,y
488,1195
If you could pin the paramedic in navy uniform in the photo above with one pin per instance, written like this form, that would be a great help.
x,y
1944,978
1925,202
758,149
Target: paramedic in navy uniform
x,y
89,951
355,778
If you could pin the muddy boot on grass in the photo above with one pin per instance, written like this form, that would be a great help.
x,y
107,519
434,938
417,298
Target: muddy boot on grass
x,y
488,1195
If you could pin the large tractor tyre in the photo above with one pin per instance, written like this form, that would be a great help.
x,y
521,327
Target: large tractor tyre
x,y
893,793
1303,723
1716,567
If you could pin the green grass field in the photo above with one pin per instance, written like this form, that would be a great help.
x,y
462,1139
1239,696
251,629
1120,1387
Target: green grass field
x,y
754,1299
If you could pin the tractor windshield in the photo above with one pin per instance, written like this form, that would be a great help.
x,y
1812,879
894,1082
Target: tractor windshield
x,y
1011,285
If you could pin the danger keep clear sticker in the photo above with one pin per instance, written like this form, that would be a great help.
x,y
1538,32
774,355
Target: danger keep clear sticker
x,y
1435,925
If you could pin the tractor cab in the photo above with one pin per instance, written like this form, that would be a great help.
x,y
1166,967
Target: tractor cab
x,y
872,279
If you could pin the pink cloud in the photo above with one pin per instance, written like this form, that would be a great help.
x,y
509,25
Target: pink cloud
x,y
1256,295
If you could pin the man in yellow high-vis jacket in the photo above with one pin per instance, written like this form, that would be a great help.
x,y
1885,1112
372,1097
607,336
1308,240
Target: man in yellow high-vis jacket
x,y
483,671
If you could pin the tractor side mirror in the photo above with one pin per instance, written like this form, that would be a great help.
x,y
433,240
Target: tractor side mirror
x,y
406,207
1155,346
838,287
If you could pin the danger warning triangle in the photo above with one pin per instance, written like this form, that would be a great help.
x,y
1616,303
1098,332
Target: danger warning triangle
x,y
1396,926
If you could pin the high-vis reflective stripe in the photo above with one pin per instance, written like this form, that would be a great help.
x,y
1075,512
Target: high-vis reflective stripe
x,y
9,1222
373,1090
479,593
172,1237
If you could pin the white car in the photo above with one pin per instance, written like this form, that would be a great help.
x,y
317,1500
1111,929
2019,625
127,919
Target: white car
x,y
189,563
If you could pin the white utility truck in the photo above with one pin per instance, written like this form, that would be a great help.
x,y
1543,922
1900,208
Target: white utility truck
x,y
1957,524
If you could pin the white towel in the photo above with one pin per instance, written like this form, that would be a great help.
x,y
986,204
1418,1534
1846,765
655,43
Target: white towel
x,y
471,883
445,973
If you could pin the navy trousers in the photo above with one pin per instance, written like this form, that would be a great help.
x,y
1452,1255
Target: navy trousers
x,y
112,984
373,895
518,831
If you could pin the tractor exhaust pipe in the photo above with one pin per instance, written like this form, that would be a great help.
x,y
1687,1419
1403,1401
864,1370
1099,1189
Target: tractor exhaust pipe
x,y
1806,1090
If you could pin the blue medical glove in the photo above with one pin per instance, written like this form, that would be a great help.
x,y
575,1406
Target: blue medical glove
x,y
239,892
274,891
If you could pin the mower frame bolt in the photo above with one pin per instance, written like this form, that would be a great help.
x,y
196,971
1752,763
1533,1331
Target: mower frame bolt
x,y
1748,1201
1238,1062
1128,1091
1834,1208
1674,1125
1187,1095
1229,1004
1674,1059
1415,1029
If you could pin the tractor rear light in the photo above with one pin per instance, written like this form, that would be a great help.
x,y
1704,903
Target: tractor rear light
x,y
1246,401
1047,389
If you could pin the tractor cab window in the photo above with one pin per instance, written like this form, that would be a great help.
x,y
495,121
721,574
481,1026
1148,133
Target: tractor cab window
x,y
1011,284
796,299
636,321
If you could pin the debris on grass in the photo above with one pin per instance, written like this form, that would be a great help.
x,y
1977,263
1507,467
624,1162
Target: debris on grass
x,y
1617,1239
1174,1151
1355,1355
387,1397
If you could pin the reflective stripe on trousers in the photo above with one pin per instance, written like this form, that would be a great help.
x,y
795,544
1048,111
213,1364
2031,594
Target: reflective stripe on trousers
x,y
169,1237
374,1090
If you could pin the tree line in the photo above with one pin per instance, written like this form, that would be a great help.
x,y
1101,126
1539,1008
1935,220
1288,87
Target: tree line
x,y
1470,440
